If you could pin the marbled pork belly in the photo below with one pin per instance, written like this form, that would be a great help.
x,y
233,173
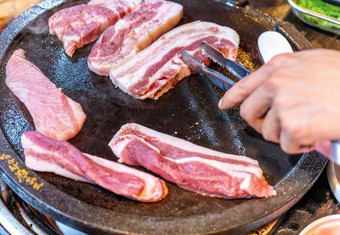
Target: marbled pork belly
x,y
46,154
133,33
190,166
159,67
54,114
81,24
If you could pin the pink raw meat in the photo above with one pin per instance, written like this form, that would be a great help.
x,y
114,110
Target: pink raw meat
x,y
133,33
159,67
46,154
81,24
190,166
54,114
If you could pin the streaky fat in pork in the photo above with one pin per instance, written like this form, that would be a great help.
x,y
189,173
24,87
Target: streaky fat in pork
x,y
131,34
117,6
54,114
50,155
190,166
159,67
81,24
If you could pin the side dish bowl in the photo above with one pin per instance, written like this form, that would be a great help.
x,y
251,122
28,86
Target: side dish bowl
x,y
315,19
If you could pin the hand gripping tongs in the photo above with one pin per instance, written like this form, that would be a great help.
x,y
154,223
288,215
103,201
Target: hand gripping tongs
x,y
218,79
239,71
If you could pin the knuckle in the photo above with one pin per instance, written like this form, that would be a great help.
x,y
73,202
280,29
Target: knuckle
x,y
242,89
268,133
265,134
280,100
293,128
288,149
278,60
244,112
288,126
265,131
275,80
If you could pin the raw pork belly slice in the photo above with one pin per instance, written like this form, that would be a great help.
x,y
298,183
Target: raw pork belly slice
x,y
118,6
54,114
159,67
133,33
46,154
81,24
190,166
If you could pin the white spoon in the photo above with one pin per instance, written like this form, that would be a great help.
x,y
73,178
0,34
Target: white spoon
x,y
271,43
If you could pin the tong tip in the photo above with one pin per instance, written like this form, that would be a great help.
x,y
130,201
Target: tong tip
x,y
212,53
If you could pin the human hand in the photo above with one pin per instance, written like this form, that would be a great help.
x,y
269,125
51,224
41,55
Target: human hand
x,y
293,100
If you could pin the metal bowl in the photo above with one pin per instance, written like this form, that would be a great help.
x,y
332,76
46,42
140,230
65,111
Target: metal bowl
x,y
315,19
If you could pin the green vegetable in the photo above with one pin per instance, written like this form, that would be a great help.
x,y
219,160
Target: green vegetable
x,y
323,8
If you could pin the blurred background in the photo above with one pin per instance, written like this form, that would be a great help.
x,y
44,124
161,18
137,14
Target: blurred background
x,y
9,9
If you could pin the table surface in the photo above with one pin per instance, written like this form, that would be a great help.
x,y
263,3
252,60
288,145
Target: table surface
x,y
319,201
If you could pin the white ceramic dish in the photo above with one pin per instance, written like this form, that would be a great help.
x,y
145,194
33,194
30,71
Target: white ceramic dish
x,y
326,225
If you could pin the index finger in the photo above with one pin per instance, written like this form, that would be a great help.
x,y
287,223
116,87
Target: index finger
x,y
242,89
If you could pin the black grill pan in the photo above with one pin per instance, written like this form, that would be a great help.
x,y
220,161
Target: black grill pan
x,y
188,111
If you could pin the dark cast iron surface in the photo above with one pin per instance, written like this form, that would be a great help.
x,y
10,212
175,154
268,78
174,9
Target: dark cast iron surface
x,y
189,111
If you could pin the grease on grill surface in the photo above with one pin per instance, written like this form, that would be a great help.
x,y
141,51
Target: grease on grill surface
x,y
194,100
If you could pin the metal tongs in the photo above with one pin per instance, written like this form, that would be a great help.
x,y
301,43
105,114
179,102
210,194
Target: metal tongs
x,y
218,79
239,71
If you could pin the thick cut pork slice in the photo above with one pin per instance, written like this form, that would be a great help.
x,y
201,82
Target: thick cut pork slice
x,y
159,67
190,166
81,24
118,6
46,154
54,114
133,33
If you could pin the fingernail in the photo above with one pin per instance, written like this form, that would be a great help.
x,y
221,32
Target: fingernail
x,y
220,103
